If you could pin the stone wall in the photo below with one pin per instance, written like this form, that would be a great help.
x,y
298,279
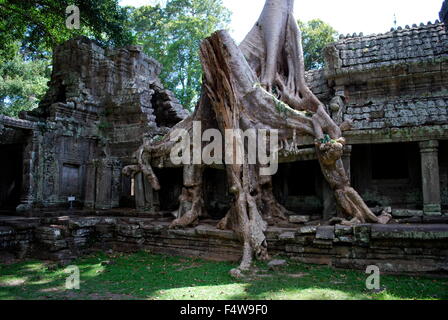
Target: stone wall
x,y
394,248
101,105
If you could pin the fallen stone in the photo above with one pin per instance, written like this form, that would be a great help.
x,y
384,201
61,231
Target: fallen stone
x,y
108,263
236,273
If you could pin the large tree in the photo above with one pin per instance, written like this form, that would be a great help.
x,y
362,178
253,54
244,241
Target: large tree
x,y
172,35
23,82
238,93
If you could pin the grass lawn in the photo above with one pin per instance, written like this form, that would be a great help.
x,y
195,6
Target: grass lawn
x,y
156,277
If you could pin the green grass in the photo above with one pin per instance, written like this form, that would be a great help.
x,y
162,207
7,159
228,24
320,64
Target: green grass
x,y
156,277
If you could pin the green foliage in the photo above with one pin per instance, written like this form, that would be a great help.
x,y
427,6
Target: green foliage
x,y
172,35
316,35
39,25
23,83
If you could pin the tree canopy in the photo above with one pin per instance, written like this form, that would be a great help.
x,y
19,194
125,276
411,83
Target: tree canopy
x,y
23,82
316,35
172,35
39,25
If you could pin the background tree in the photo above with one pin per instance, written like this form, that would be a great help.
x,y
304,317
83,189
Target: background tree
x,y
39,25
172,35
30,29
316,35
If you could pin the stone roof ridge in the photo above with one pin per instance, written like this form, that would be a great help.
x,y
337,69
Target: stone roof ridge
x,y
393,30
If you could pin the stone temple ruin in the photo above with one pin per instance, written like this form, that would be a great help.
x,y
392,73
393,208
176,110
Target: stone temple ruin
x,y
103,103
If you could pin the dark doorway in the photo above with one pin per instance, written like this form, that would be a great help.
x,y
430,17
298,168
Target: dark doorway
x,y
11,166
388,174
217,198
171,182
298,186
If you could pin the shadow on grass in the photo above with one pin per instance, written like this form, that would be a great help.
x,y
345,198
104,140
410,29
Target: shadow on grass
x,y
147,276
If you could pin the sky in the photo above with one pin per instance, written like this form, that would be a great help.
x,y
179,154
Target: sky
x,y
346,16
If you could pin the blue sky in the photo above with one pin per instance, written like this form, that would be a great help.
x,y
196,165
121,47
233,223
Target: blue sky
x,y
346,16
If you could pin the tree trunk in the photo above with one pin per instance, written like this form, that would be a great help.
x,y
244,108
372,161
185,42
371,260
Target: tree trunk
x,y
237,94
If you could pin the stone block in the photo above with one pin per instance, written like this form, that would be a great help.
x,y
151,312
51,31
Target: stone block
x,y
299,219
83,222
325,233
216,233
362,234
285,236
405,213
307,230
413,232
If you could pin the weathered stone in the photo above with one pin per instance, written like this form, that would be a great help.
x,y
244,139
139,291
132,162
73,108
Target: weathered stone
x,y
342,230
325,233
362,234
49,233
84,222
419,232
400,213
84,232
307,230
217,233
286,236
128,230
299,219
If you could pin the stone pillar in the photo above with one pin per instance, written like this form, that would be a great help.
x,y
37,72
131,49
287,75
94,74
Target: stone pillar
x,y
103,184
90,189
140,201
144,194
103,188
430,177
31,159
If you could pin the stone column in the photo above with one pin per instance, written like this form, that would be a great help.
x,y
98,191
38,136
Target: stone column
x,y
430,177
90,189
140,201
31,158
103,187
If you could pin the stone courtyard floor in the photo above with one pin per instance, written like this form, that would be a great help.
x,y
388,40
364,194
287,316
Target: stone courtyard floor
x,y
146,276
